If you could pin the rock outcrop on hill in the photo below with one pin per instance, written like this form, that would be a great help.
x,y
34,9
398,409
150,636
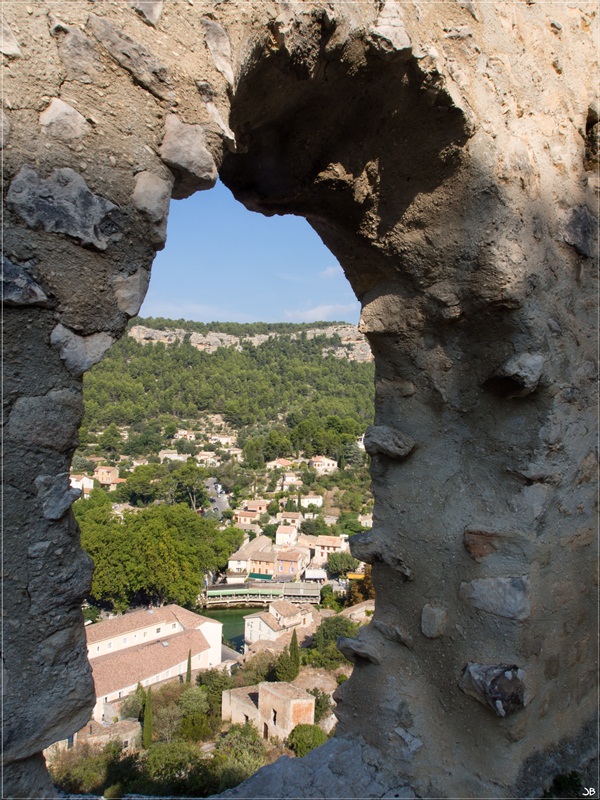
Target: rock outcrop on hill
x,y
354,345
447,155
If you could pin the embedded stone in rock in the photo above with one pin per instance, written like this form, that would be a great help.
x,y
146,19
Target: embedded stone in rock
x,y
517,377
131,290
63,203
149,10
134,57
388,441
433,621
184,150
63,121
227,133
51,420
77,52
18,287
355,648
151,196
388,34
499,687
80,352
504,597
510,545
394,633
56,494
218,43
8,44
580,231
4,129
369,546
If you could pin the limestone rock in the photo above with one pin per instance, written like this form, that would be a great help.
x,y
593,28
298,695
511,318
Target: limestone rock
x,y
18,287
513,546
184,150
4,129
226,132
80,352
357,648
151,196
500,687
48,421
504,597
77,52
133,56
219,46
8,44
56,494
389,442
370,546
131,290
63,203
581,231
395,633
434,621
63,121
149,10
517,377
388,34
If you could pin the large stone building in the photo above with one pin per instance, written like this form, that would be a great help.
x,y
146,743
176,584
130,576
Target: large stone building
x,y
447,154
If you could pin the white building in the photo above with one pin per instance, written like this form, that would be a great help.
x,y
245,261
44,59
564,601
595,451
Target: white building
x,y
148,647
281,618
308,500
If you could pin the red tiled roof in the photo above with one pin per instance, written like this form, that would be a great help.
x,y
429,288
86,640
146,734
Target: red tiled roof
x,y
136,620
135,664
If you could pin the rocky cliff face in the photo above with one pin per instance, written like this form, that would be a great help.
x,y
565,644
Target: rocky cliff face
x,y
447,155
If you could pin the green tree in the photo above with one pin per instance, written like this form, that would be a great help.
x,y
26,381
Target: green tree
x,y
341,563
295,652
305,738
215,681
110,440
133,705
188,672
238,755
322,703
147,727
285,668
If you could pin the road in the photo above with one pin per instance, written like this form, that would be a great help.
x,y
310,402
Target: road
x,y
220,503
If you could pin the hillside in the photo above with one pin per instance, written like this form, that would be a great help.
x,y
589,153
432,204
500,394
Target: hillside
x,y
259,375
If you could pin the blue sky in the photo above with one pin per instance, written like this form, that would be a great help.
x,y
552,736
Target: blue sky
x,y
224,263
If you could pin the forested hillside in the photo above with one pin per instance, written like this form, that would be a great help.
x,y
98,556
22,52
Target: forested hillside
x,y
283,380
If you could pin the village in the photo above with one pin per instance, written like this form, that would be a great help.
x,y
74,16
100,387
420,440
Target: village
x,y
284,575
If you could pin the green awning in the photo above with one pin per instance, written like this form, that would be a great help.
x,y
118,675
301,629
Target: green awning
x,y
257,576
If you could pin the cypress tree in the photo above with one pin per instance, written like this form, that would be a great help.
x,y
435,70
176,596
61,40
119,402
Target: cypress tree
x,y
295,652
147,730
188,674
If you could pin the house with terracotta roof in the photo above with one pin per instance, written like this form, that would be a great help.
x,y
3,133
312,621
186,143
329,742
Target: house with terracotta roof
x,y
148,647
279,463
308,500
82,482
322,465
273,708
246,517
290,564
260,505
286,535
281,618
290,518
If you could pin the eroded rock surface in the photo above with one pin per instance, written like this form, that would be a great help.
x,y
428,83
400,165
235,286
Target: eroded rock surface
x,y
446,153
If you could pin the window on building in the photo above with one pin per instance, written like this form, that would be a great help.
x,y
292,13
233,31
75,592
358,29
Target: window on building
x,y
145,632
106,699
125,743
158,630
274,717
120,694
69,742
109,645
168,673
97,648
174,625
124,640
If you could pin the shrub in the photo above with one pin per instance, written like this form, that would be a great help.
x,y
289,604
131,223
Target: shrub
x,y
305,738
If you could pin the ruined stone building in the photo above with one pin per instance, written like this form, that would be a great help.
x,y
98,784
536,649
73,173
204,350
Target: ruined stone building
x,y
447,154
273,708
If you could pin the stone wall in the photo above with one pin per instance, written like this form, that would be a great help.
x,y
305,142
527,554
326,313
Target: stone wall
x,y
447,154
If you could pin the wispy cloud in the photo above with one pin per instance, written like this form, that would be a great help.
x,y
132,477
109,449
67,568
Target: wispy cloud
x,y
331,272
193,311
325,311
